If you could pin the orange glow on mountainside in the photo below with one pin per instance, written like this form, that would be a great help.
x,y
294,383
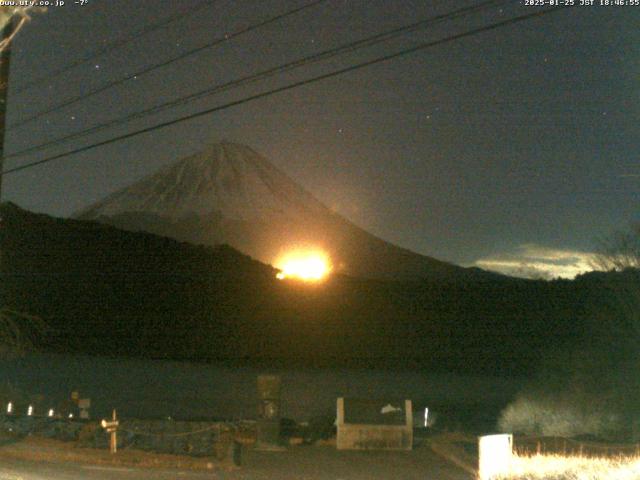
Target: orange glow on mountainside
x,y
308,266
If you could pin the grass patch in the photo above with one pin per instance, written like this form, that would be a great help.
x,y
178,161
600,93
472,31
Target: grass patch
x,y
560,467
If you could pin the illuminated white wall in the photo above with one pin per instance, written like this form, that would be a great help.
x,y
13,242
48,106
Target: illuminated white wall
x,y
495,455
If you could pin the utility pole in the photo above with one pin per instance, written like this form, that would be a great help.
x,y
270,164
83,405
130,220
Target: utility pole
x,y
5,60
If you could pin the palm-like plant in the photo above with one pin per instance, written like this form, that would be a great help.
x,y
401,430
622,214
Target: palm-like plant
x,y
19,14
19,332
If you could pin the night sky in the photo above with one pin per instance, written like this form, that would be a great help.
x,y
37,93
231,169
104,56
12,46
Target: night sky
x,y
515,148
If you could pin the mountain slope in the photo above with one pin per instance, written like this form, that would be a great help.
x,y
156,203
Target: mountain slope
x,y
230,194
112,292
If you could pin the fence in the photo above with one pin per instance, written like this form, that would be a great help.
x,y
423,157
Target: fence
x,y
162,436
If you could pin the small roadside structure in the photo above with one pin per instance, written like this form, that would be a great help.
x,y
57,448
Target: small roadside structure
x,y
366,424
268,423
495,455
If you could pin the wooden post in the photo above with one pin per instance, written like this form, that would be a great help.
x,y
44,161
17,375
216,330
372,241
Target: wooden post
x,y
113,442
112,428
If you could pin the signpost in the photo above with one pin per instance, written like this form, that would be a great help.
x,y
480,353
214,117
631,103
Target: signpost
x,y
112,428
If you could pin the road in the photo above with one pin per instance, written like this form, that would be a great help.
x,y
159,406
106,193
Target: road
x,y
301,463
29,470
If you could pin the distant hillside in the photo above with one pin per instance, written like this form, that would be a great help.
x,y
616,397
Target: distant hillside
x,y
230,194
107,291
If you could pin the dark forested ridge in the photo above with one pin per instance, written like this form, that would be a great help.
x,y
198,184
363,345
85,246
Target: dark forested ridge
x,y
106,291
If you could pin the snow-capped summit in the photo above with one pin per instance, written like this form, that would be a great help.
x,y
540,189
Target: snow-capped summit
x,y
230,194
227,178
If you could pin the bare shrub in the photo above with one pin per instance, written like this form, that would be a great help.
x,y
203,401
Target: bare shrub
x,y
559,417
619,251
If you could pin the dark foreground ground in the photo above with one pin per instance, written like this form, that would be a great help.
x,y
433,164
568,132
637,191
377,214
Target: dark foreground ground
x,y
316,463
297,463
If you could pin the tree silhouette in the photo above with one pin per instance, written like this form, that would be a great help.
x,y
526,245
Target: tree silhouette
x,y
620,251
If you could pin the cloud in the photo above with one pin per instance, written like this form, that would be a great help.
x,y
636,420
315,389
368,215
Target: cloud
x,y
536,261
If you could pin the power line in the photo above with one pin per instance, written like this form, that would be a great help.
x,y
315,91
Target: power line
x,y
291,86
182,56
115,44
314,58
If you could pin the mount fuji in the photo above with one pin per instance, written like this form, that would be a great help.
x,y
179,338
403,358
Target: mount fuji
x,y
230,194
